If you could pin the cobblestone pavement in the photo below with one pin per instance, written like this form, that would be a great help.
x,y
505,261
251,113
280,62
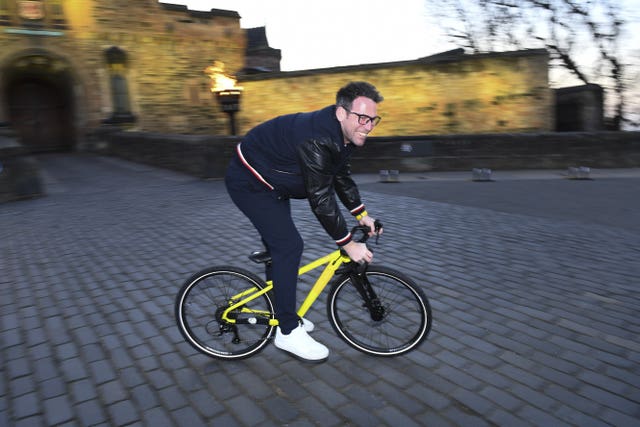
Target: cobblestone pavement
x,y
534,289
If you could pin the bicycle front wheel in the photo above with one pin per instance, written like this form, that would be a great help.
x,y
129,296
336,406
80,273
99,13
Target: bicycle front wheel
x,y
395,320
202,300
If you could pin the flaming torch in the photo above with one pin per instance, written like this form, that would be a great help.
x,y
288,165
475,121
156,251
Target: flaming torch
x,y
225,89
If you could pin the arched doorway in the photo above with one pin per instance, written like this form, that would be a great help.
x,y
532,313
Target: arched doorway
x,y
38,91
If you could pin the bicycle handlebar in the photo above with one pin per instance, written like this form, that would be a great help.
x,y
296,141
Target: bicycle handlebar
x,y
365,231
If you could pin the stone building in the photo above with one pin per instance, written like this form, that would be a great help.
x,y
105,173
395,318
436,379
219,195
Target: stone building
x,y
580,108
69,67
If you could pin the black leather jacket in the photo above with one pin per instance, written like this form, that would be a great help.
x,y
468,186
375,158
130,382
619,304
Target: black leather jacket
x,y
327,174
304,156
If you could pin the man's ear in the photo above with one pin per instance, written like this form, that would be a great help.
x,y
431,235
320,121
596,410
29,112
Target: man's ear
x,y
341,114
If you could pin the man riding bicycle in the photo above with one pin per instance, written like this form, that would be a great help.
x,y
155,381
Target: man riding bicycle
x,y
303,155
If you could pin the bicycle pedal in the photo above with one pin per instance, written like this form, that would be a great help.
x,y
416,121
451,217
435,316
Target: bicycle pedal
x,y
260,257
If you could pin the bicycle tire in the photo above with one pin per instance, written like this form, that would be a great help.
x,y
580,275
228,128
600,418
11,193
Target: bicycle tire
x,y
199,305
406,321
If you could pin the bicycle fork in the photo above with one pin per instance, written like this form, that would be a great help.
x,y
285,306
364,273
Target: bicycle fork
x,y
369,296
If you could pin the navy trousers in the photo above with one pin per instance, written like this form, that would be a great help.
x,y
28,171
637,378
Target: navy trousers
x,y
271,216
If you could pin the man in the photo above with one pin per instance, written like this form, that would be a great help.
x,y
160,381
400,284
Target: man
x,y
303,155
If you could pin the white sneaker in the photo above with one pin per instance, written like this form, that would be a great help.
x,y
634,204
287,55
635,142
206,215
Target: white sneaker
x,y
300,345
307,325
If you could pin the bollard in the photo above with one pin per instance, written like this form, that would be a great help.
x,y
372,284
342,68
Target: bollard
x,y
581,172
481,174
389,175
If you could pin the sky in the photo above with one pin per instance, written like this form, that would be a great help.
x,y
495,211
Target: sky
x,y
329,33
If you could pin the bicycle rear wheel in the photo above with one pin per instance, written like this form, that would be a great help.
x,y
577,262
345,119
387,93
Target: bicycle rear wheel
x,y
199,306
396,321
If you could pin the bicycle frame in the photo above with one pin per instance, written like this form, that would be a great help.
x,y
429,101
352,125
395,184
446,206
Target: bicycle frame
x,y
332,263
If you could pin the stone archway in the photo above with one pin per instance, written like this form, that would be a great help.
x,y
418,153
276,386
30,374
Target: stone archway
x,y
38,91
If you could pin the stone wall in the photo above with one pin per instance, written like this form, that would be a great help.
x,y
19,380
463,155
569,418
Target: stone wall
x,y
549,150
197,155
207,157
442,94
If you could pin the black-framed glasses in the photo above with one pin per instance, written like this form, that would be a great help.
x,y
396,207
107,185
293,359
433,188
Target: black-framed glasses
x,y
363,119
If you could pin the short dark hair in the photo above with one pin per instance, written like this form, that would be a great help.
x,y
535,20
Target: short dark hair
x,y
351,91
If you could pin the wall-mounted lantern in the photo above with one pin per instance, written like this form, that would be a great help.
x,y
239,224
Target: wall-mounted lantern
x,y
225,90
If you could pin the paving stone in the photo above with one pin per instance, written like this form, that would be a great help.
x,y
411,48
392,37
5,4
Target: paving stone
x,y
123,413
538,417
18,368
19,386
500,417
111,392
187,417
358,416
246,410
400,400
35,337
102,371
460,417
204,404
35,421
57,410
616,418
253,385
314,409
502,398
144,397
610,400
148,364
172,398
280,409
160,417
458,377
25,405
52,387
431,398
393,416
324,392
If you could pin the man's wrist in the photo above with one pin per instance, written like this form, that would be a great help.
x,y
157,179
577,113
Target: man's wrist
x,y
361,215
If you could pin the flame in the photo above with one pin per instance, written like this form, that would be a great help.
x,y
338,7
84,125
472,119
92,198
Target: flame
x,y
221,81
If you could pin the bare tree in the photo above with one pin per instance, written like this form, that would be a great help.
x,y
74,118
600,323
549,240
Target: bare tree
x,y
568,29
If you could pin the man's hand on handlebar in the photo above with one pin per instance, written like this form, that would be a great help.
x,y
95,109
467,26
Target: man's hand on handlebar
x,y
370,222
358,252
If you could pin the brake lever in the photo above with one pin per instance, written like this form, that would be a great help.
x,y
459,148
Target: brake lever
x,y
377,226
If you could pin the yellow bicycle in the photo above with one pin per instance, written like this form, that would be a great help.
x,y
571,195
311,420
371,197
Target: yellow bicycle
x,y
227,313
